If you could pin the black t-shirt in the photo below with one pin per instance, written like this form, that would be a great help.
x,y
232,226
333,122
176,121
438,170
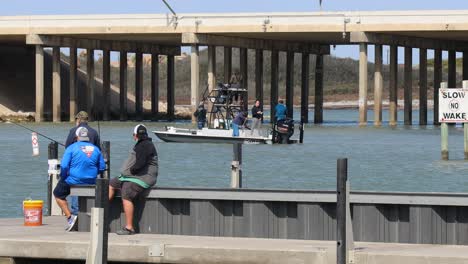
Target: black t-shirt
x,y
255,114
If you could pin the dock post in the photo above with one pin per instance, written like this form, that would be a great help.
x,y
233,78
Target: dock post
x,y
343,214
96,250
236,171
51,182
99,224
465,128
301,133
444,133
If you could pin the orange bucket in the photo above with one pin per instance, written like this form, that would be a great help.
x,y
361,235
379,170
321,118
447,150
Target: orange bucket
x,y
32,210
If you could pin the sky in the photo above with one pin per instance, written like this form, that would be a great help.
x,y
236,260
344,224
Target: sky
x,y
64,7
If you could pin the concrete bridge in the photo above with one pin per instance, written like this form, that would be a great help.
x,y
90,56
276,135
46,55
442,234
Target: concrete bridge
x,y
304,33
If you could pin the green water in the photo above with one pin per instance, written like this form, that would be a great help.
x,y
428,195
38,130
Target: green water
x,y
380,159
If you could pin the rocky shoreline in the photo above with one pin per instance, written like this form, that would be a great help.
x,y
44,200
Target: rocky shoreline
x,y
184,112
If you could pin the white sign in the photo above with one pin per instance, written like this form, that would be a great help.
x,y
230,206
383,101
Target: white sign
x,y
35,144
453,105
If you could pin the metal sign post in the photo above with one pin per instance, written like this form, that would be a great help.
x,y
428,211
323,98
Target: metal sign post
x,y
453,108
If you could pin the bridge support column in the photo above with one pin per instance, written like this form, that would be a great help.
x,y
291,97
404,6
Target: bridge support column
x,y
408,86
363,84
56,107
244,76
154,86
170,87
378,86
259,76
422,87
73,90
90,87
274,83
39,61
318,109
106,85
211,78
305,88
437,81
123,86
227,64
194,80
452,69
465,65
290,83
139,86
393,107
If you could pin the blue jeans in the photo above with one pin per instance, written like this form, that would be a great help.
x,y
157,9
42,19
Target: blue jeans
x,y
235,130
201,124
74,208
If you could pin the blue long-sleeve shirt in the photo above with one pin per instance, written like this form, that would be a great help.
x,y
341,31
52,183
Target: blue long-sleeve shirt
x,y
280,111
81,163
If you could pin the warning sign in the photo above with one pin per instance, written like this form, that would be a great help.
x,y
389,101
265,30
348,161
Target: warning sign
x,y
453,105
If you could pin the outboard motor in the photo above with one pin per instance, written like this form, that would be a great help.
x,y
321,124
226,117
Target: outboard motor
x,y
284,129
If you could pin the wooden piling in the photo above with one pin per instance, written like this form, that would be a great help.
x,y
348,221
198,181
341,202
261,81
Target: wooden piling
x,y
341,179
236,171
52,155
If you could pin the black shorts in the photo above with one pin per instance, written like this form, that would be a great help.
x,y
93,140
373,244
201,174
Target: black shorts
x,y
128,190
62,190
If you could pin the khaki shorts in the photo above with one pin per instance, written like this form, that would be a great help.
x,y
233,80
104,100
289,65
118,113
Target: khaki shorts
x,y
128,190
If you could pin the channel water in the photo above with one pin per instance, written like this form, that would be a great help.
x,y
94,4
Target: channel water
x,y
380,159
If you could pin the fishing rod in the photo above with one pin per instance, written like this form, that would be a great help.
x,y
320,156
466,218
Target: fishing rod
x,y
40,134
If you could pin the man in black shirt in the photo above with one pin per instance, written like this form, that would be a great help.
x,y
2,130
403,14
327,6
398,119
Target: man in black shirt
x,y
257,116
81,120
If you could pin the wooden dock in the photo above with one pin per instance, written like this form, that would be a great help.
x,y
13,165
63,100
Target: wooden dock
x,y
51,242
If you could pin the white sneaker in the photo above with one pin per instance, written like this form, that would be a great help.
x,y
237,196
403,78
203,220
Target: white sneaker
x,y
71,223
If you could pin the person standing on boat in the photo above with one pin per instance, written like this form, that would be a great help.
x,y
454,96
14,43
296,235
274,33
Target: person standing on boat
x,y
280,111
139,172
238,121
200,114
81,163
81,120
257,116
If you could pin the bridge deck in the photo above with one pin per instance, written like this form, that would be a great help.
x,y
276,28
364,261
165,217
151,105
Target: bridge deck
x,y
51,241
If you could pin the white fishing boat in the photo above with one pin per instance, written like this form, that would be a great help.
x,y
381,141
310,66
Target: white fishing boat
x,y
208,135
226,102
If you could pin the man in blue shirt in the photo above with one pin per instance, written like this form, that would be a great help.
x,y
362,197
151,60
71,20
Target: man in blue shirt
x,y
280,111
81,120
81,163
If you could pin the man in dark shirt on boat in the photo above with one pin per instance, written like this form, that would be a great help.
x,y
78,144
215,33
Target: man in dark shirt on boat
x,y
257,116
238,121
200,114
139,172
